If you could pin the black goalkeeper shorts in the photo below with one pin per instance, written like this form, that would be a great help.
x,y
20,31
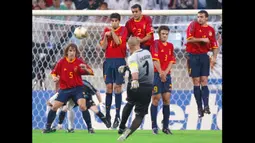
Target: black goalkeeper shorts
x,y
140,97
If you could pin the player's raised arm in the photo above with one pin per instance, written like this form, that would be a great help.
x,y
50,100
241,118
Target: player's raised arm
x,y
104,41
85,69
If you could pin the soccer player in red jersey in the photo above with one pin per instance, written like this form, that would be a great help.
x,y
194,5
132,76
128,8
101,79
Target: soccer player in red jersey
x,y
114,43
68,72
163,58
200,40
140,26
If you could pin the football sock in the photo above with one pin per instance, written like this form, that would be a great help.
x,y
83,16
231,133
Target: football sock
x,y
136,123
61,117
125,114
50,118
205,95
166,114
70,118
108,103
197,94
118,98
86,117
101,115
154,116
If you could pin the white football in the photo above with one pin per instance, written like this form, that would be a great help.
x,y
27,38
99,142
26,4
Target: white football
x,y
81,32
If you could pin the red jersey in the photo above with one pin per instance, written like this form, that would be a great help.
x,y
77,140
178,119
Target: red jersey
x,y
113,50
70,73
141,28
198,31
164,53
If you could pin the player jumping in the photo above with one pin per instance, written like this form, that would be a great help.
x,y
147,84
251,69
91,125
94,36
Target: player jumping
x,y
163,59
200,40
68,72
139,88
89,92
114,43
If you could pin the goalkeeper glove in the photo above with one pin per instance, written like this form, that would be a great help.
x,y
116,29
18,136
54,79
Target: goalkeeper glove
x,y
134,84
122,69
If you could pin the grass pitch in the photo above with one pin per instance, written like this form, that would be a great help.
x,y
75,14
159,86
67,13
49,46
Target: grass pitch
x,y
140,136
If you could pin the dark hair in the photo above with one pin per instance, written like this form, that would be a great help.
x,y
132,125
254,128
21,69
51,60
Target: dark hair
x,y
137,6
77,54
204,12
104,3
163,27
39,0
115,15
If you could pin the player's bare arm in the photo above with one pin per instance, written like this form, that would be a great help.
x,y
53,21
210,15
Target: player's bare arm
x,y
55,77
99,97
215,49
105,42
214,57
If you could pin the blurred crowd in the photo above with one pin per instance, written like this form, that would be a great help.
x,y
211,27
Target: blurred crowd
x,y
124,4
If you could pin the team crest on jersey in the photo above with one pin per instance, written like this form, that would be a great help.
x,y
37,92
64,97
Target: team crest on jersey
x,y
169,52
75,69
210,33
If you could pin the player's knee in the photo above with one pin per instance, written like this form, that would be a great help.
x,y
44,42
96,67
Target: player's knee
x,y
204,81
155,101
166,101
196,81
109,88
54,108
56,105
48,103
117,88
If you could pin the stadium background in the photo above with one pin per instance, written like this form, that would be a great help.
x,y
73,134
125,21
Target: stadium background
x,y
50,35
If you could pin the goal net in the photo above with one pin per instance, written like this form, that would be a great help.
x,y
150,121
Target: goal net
x,y
53,30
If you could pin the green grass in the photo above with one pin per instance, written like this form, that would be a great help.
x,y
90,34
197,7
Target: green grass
x,y
140,136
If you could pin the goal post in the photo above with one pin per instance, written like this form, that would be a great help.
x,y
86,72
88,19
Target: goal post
x,y
121,12
53,29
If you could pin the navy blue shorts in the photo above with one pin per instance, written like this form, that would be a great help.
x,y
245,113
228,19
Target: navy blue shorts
x,y
145,47
72,93
161,87
199,65
110,70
